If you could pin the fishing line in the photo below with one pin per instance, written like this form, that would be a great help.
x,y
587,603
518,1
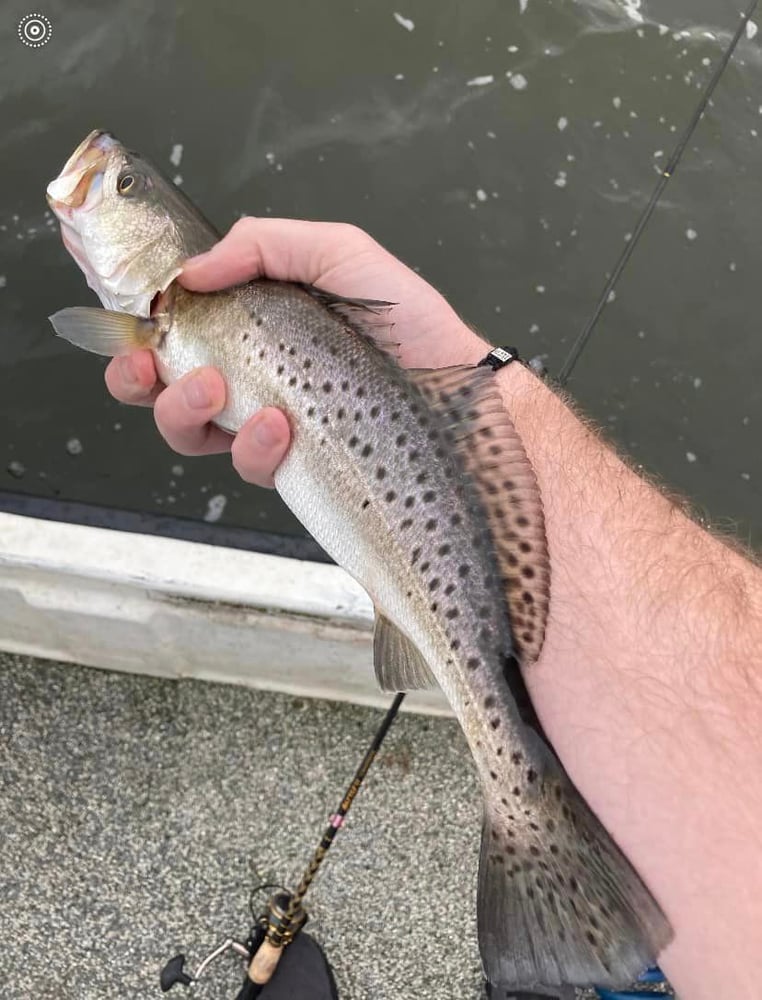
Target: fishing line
x,y
666,175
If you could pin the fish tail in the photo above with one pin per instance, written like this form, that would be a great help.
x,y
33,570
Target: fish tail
x,y
558,902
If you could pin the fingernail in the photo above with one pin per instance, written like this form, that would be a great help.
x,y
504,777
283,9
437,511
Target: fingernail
x,y
127,371
264,433
196,392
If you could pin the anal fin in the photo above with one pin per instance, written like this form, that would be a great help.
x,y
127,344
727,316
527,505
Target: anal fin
x,y
399,665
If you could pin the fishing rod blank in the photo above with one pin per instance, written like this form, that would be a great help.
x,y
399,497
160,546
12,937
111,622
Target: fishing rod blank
x,y
664,178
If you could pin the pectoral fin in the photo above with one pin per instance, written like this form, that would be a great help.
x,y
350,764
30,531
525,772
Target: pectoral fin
x,y
399,665
104,332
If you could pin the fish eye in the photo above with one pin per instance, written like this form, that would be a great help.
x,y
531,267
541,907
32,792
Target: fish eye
x,y
126,183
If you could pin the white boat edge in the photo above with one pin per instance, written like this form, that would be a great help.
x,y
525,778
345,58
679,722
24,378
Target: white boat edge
x,y
173,608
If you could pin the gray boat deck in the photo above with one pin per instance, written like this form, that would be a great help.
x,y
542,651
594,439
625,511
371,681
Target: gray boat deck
x,y
136,814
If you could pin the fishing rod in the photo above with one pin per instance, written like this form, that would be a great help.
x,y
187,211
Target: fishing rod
x,y
284,917
664,178
280,924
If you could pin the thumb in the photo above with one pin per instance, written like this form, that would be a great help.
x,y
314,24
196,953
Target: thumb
x,y
281,249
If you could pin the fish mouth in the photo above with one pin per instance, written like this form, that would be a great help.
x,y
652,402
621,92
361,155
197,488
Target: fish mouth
x,y
80,173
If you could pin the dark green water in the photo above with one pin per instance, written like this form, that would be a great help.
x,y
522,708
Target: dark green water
x,y
339,111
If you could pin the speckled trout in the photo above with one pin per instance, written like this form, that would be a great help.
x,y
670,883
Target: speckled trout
x,y
418,485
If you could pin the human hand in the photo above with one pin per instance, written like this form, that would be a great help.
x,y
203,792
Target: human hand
x,y
334,256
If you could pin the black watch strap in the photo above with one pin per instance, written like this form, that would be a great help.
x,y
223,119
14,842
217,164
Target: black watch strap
x,y
499,357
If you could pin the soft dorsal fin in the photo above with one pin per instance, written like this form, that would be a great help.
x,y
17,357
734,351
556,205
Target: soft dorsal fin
x,y
399,665
494,457
368,317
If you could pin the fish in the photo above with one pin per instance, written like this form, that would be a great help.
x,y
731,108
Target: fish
x,y
416,482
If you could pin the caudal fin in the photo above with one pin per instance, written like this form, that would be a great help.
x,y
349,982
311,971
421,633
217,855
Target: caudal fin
x,y
558,902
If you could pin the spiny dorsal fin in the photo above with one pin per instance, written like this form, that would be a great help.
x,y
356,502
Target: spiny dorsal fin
x,y
494,457
399,665
368,317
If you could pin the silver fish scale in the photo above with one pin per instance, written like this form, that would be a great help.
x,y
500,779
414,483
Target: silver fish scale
x,y
395,506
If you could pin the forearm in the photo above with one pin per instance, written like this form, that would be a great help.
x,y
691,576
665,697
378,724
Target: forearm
x,y
650,689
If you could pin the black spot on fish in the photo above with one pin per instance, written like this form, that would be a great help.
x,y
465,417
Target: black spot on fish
x,y
307,363
499,752
324,421
508,484
380,472
280,369
431,524
366,450
495,723
292,380
464,569
248,359
327,386
374,411
307,386
409,501
489,701
428,496
340,413
510,849
434,583
425,565
526,636
358,415
444,550
292,351
473,662
414,557
527,598
261,354
405,524
522,521
310,411
281,347
452,613
353,441
516,791
365,504
550,825
493,775
434,606
553,848
455,644
245,337
534,851
531,775
401,439
455,520
591,938
394,415
390,496
359,391
344,385
449,589
413,456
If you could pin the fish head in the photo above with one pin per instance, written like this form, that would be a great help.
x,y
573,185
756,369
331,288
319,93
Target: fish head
x,y
127,226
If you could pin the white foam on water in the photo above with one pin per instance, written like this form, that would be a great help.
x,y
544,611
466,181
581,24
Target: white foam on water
x,y
215,507
523,5
400,76
513,48
612,296
691,234
663,29
405,22
562,123
751,29
617,102
632,9
175,157
691,457
177,179
481,195
3,281
560,180
518,81
746,476
697,383
540,289
480,81
74,446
